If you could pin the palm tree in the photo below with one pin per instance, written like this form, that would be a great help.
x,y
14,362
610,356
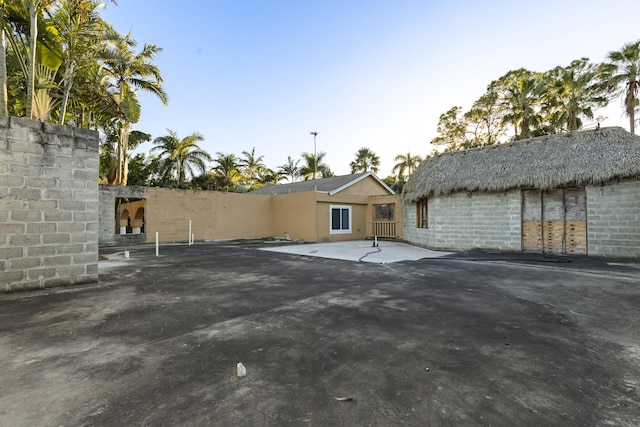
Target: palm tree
x,y
623,77
226,171
573,92
181,156
405,165
365,160
521,97
252,167
314,164
269,177
80,30
130,72
290,169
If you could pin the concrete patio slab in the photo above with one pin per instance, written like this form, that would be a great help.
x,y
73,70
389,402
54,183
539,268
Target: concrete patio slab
x,y
361,250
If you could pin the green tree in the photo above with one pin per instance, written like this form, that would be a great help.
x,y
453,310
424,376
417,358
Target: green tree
x,y
622,73
226,172
574,91
182,157
452,129
79,28
521,94
4,26
269,177
365,160
129,72
314,163
290,170
405,165
485,121
252,167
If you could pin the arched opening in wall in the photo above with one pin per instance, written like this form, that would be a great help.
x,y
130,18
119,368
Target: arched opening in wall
x,y
139,220
129,214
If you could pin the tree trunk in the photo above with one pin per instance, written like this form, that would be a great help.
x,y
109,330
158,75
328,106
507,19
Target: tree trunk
x,y
69,75
4,109
33,37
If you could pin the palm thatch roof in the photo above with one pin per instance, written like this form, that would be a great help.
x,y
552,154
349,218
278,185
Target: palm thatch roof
x,y
546,162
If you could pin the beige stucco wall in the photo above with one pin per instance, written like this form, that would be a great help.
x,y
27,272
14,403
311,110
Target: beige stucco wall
x,y
366,186
220,216
380,200
213,215
294,214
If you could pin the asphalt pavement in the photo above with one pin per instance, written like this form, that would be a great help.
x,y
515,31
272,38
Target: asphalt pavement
x,y
451,339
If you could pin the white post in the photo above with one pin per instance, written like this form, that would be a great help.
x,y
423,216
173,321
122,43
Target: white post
x,y
193,238
189,232
157,247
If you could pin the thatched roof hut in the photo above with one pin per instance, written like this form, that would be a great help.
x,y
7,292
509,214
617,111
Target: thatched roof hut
x,y
552,161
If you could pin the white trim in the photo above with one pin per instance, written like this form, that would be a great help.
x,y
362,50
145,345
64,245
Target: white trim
x,y
341,230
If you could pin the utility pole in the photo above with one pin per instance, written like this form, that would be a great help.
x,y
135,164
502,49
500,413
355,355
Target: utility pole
x,y
315,161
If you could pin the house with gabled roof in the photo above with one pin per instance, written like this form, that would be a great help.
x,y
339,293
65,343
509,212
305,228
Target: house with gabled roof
x,y
347,207
574,193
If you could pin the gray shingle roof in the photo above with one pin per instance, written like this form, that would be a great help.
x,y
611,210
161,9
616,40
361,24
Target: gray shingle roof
x,y
326,185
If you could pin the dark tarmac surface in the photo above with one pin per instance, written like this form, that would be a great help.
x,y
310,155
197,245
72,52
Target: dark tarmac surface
x,y
467,340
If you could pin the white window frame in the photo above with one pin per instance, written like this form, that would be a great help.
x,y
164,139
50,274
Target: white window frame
x,y
341,230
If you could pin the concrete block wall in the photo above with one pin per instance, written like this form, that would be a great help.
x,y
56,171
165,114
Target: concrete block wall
x,y
462,221
613,219
48,205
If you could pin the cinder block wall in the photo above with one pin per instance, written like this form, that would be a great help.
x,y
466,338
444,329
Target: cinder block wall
x,y
48,205
463,221
613,219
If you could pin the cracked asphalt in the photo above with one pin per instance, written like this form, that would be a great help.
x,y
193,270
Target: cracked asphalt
x,y
468,339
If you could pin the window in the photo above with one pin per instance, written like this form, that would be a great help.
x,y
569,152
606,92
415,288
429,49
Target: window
x,y
386,212
340,219
422,213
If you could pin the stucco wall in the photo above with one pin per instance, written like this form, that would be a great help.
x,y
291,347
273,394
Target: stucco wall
x,y
294,214
613,219
214,215
48,205
463,221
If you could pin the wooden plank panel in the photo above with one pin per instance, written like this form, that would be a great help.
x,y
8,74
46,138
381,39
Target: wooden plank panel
x,y
553,237
532,236
576,237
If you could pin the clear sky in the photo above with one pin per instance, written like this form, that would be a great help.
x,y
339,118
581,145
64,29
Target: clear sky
x,y
362,73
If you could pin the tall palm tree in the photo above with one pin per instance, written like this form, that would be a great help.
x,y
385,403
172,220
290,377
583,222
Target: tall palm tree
x,y
252,167
365,160
290,169
80,29
406,164
226,171
521,98
314,164
574,92
129,72
623,76
181,156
